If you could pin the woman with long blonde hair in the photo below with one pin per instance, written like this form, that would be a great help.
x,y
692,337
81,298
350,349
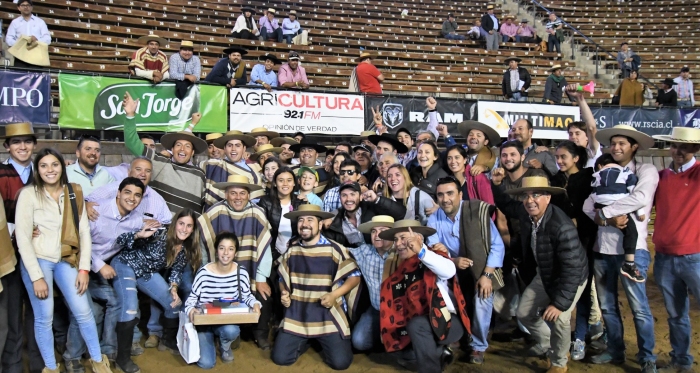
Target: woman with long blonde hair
x,y
399,187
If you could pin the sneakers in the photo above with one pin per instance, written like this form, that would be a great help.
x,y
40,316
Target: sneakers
x,y
596,331
607,358
578,350
226,354
136,349
152,341
476,357
630,271
649,367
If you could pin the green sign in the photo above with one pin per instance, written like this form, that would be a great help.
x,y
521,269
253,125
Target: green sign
x,y
94,102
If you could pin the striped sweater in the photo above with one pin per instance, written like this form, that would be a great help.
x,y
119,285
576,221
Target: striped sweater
x,y
209,286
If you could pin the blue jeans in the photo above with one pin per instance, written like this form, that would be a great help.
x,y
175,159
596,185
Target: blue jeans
x,y
154,327
126,285
517,96
207,347
686,103
505,38
676,276
454,37
365,334
607,272
102,295
277,34
64,277
483,308
553,43
336,352
288,37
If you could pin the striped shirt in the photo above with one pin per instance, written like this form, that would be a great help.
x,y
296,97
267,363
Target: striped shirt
x,y
209,286
151,202
372,267
180,185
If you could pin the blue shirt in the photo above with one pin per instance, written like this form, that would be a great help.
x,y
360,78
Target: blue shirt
x,y
107,228
372,267
290,27
23,171
448,234
259,73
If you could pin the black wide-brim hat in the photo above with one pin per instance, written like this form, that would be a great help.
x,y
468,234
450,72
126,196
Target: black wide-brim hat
x,y
271,57
240,50
391,139
308,144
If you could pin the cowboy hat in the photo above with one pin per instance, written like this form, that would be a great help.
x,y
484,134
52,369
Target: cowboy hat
x,y
292,13
535,183
278,141
169,139
490,133
240,50
516,59
669,82
686,135
271,10
308,144
556,67
187,44
248,9
508,16
271,57
262,149
489,7
262,131
524,21
402,226
363,136
391,139
234,135
308,209
364,55
35,53
148,38
645,141
19,129
377,221
210,137
238,181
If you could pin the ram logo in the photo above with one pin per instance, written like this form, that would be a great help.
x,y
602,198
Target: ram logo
x,y
392,115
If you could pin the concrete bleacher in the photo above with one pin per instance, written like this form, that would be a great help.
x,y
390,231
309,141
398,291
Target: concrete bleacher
x,y
101,35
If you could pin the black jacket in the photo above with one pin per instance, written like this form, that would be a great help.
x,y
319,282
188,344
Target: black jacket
x,y
524,76
561,258
428,184
669,99
578,188
273,212
384,206
219,72
487,23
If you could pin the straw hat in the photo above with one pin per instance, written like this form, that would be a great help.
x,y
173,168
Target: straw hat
x,y
148,38
278,141
262,131
377,221
293,13
308,209
169,139
391,139
18,129
490,133
364,135
686,135
645,141
402,226
234,135
364,55
210,137
556,67
535,183
262,149
489,7
238,181
509,16
271,10
187,44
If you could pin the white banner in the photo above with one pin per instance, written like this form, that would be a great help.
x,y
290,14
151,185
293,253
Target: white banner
x,y
548,121
292,111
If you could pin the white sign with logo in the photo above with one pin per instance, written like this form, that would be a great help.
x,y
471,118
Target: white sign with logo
x,y
548,121
291,111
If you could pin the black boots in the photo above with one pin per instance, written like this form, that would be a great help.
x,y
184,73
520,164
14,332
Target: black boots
x,y
169,340
125,336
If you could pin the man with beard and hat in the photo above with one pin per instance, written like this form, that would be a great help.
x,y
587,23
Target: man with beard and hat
x,y
149,62
262,73
553,265
237,214
234,144
516,81
319,288
480,137
291,27
308,153
87,171
30,26
230,71
292,74
366,78
667,96
184,65
263,136
508,30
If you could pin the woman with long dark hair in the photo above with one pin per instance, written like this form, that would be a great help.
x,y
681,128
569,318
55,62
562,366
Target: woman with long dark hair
x,y
59,255
269,168
631,91
246,27
426,176
281,200
334,175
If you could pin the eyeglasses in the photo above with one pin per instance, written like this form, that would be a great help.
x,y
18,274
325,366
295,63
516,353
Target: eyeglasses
x,y
347,172
524,197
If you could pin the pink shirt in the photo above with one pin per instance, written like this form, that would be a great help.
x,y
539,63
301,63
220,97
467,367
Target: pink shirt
x,y
509,30
285,75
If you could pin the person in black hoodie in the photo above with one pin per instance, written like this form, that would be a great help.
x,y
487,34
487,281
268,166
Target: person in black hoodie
x,y
516,81
425,176
553,264
230,70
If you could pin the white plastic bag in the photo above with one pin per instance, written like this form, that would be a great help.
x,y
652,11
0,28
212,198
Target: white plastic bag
x,y
187,340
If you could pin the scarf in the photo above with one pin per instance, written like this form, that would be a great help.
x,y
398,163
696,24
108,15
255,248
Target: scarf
x,y
412,291
237,71
70,235
475,223
8,259
557,79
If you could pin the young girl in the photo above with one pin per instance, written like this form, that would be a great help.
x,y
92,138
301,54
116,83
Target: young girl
x,y
142,256
308,180
221,279
59,254
270,166
399,188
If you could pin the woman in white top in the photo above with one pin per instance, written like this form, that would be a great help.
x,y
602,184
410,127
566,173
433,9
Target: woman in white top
x,y
400,188
46,262
246,27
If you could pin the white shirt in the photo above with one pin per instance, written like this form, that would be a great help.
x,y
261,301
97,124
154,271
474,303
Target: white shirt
x,y
444,269
34,27
284,232
591,159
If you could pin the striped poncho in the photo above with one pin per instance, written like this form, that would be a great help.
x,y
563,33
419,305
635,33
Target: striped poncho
x,y
180,185
251,227
310,272
218,171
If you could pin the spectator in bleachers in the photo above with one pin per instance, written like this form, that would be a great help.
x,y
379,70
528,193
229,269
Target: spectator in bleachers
x,y
631,91
474,32
185,65
262,73
489,29
555,29
525,33
553,89
291,27
270,27
516,81
245,27
230,71
29,25
509,30
449,29
366,78
625,60
684,88
667,95
149,62
291,74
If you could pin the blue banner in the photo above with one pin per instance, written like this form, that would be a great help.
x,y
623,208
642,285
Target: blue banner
x,y
650,120
690,117
25,97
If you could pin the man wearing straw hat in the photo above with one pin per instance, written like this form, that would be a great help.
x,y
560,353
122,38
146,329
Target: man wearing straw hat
x,y
263,136
676,268
554,86
184,65
366,78
624,142
212,151
149,62
262,73
291,27
270,27
667,96
509,30
489,28
516,80
553,264
318,305
264,152
237,214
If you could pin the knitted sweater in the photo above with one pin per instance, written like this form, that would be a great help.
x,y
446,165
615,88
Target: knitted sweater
x,y
677,202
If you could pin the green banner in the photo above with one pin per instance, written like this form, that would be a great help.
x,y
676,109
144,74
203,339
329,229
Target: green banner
x,y
95,102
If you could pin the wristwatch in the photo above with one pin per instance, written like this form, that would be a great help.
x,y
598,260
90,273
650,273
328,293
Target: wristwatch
x,y
487,275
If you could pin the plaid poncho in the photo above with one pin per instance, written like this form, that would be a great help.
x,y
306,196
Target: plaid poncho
x,y
218,171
